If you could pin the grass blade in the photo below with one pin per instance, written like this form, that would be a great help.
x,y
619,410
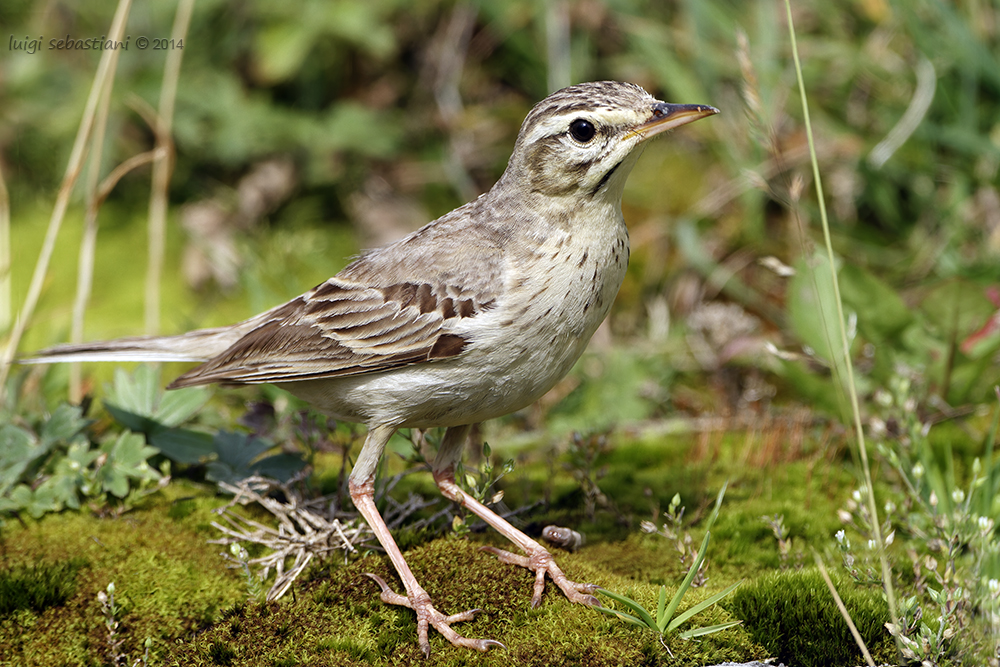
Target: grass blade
x,y
632,605
845,347
698,632
718,503
628,618
701,606
686,584
661,607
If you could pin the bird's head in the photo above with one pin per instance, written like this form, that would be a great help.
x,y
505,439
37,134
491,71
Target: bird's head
x,y
584,139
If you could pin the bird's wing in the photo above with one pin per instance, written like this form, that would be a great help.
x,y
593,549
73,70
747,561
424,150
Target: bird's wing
x,y
342,328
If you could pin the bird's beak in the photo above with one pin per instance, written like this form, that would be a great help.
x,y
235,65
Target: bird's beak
x,y
668,116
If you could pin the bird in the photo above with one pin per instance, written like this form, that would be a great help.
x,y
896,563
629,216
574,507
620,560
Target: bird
x,y
471,317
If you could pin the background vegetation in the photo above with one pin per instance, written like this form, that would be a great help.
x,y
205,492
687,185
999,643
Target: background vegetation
x,y
307,132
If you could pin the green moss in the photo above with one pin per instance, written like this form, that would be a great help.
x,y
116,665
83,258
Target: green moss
x,y
794,616
38,587
341,620
169,580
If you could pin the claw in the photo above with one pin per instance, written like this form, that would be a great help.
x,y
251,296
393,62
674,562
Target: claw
x,y
428,616
380,581
541,563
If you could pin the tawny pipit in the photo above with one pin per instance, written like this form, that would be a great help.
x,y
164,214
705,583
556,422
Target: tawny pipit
x,y
471,317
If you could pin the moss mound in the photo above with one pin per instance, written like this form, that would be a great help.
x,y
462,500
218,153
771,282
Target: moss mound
x,y
776,608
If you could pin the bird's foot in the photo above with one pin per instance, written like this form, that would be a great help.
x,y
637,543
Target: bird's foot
x,y
428,616
540,562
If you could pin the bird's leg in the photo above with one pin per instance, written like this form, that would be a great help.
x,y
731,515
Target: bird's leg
x,y
362,487
538,558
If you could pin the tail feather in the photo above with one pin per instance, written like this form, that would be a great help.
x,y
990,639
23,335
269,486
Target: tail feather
x,y
196,346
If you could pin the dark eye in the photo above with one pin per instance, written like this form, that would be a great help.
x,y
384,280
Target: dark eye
x,y
582,130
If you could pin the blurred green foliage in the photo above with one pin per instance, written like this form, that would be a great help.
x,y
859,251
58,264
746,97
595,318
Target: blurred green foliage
x,y
418,104
422,101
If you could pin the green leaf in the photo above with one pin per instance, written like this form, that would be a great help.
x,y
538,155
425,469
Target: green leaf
x,y
281,48
237,459
812,309
881,312
18,450
135,393
179,405
133,421
701,606
707,630
280,466
238,450
64,423
628,618
639,610
661,608
718,504
183,445
686,584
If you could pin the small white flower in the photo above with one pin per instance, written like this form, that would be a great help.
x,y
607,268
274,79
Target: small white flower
x,y
985,525
871,545
958,496
890,507
840,536
918,471
877,427
994,587
889,538
856,495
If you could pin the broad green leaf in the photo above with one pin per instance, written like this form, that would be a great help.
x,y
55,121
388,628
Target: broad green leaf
x,y
280,466
812,310
238,450
115,483
881,312
133,421
18,450
64,423
135,393
179,405
183,445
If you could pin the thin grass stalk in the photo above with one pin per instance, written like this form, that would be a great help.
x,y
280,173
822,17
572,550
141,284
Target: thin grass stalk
x,y
88,244
843,610
557,45
163,167
73,167
6,303
845,344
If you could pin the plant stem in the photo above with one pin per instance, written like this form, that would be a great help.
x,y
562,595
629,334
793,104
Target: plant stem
x,y
848,365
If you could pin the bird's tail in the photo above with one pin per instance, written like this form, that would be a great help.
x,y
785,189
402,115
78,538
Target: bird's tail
x,y
199,345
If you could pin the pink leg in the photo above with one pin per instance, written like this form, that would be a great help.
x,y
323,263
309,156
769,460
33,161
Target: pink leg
x,y
538,559
416,598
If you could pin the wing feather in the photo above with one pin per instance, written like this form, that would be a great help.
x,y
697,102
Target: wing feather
x,y
342,328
